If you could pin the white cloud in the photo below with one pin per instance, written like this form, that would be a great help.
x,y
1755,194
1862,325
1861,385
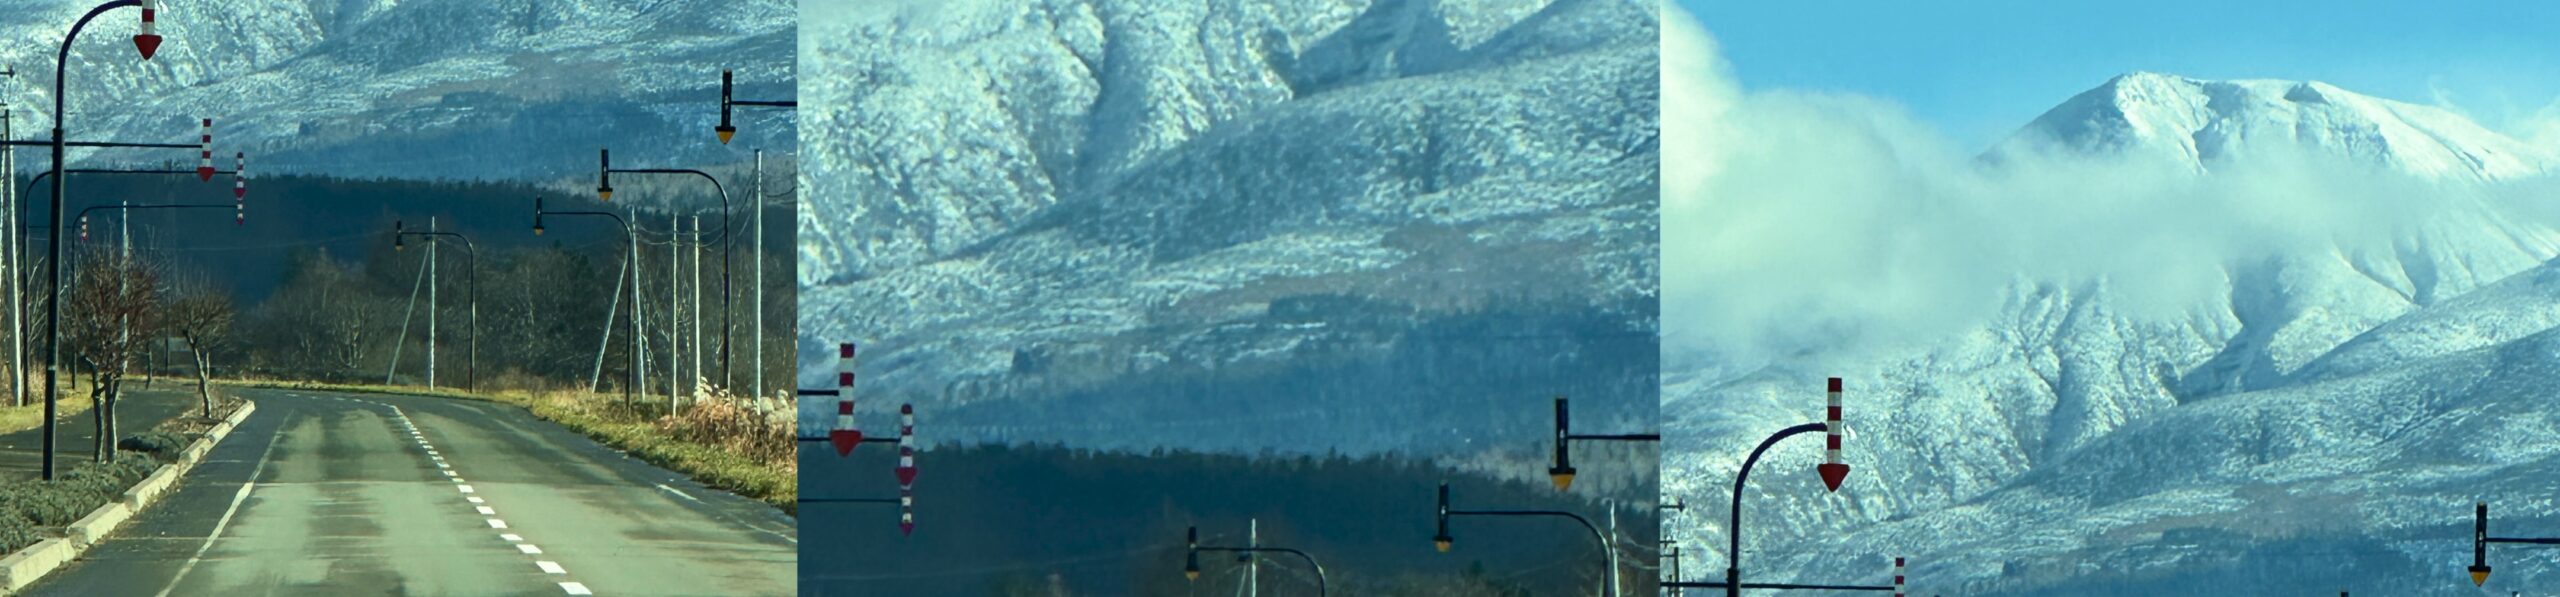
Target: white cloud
x,y
1796,221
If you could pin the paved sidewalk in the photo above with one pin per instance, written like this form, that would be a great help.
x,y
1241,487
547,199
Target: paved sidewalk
x,y
21,455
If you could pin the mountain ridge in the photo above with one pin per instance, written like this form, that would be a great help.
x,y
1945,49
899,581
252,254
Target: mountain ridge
x,y
2207,124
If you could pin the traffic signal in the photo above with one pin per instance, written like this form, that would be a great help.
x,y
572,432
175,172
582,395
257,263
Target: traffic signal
x,y
1562,472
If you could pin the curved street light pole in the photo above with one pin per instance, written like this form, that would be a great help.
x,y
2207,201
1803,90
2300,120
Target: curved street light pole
x,y
728,245
1191,561
632,239
1733,552
18,234
1833,472
473,367
1443,541
147,43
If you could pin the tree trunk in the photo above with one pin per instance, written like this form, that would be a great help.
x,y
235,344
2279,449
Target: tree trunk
x,y
97,419
108,441
204,381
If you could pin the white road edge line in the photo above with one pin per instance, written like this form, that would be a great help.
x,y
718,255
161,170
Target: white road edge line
x,y
225,521
678,493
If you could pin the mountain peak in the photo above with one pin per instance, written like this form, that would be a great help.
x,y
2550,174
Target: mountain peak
x,y
2208,123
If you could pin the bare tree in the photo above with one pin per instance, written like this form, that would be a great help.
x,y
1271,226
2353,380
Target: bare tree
x,y
200,314
114,305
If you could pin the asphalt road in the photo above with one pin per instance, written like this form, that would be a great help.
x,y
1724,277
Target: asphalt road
x,y
323,493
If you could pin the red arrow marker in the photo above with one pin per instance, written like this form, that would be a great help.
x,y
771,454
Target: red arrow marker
x,y
845,436
204,169
1833,470
146,41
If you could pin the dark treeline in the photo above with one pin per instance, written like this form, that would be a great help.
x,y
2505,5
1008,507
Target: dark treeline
x,y
1010,521
1430,384
322,293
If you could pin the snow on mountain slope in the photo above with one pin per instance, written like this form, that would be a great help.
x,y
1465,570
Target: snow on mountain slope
x,y
1190,205
2070,370
2363,482
522,89
2208,123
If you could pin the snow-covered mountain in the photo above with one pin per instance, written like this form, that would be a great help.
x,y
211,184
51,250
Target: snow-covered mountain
x,y
514,89
1354,225
2212,123
2323,413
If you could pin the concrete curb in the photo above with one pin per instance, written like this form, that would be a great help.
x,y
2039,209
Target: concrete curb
x,y
31,564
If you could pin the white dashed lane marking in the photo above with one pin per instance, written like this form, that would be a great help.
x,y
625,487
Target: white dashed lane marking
x,y
480,505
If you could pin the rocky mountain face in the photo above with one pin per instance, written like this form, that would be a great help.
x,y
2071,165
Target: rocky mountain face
x,y
1248,225
2323,419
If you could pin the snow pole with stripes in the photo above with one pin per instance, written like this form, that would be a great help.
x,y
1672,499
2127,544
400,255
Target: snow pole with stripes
x,y
846,434
240,188
1833,470
147,40
906,511
204,144
906,447
1898,587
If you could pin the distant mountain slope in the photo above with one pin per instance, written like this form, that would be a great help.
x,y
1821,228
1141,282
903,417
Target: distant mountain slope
x,y
1205,223
513,89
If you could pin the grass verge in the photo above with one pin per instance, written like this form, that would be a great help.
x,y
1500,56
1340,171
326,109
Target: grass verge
x,y
72,399
714,441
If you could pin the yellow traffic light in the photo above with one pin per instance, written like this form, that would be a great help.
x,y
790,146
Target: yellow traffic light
x,y
726,132
1441,543
1563,479
604,193
2479,575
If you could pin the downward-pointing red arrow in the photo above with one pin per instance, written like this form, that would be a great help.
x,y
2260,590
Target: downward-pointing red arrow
x,y
845,440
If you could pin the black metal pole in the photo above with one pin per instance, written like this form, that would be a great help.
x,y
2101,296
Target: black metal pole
x,y
728,245
53,311
1733,530
1607,551
632,239
27,143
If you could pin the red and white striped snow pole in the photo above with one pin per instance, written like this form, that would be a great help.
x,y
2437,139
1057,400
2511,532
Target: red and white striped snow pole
x,y
204,168
148,40
240,188
1833,471
84,228
846,434
906,511
906,447
1897,577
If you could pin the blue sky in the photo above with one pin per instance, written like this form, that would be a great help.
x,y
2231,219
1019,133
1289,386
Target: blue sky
x,y
1980,69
